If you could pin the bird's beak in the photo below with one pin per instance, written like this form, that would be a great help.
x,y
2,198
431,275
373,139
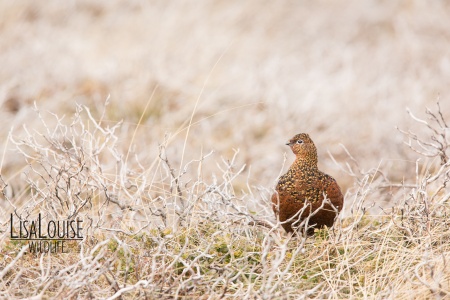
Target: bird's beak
x,y
289,143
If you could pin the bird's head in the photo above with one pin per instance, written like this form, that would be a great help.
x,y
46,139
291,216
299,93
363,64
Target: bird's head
x,y
304,148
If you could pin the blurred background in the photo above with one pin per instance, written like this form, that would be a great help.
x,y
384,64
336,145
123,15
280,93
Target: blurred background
x,y
246,75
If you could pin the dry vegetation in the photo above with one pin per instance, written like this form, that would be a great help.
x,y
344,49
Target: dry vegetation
x,y
161,126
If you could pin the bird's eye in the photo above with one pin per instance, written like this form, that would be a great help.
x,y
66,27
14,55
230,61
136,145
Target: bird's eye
x,y
299,141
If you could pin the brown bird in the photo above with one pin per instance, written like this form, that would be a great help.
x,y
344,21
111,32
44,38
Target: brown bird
x,y
300,193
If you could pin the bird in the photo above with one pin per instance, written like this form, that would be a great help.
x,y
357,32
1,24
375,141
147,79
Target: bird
x,y
300,193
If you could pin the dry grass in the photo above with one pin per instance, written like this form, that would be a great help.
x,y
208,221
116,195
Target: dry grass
x,y
172,175
158,232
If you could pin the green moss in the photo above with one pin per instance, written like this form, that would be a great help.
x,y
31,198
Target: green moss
x,y
112,245
222,247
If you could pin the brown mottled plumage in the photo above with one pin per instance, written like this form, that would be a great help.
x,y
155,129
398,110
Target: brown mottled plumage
x,y
305,184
